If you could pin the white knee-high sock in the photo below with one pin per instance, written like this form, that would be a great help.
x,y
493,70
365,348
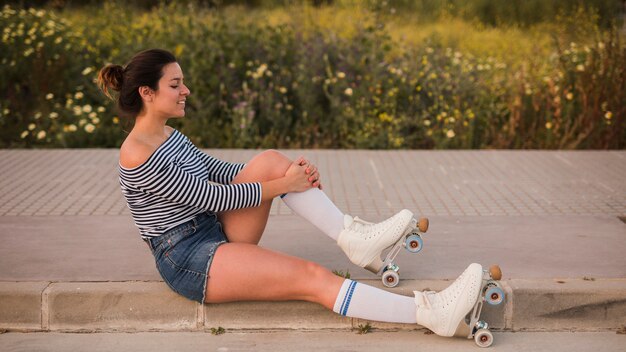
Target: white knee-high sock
x,y
366,302
315,206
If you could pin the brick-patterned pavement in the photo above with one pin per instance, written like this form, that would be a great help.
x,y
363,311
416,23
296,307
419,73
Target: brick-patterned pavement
x,y
539,214
373,184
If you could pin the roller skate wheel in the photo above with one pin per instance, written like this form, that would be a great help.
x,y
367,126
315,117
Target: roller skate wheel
x,y
422,224
390,278
483,338
494,296
413,243
495,272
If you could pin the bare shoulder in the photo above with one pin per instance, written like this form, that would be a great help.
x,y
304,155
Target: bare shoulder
x,y
137,149
134,152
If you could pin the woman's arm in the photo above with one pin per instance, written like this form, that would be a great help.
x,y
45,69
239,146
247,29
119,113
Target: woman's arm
x,y
171,182
220,171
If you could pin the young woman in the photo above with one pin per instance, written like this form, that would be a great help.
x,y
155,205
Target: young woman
x,y
203,218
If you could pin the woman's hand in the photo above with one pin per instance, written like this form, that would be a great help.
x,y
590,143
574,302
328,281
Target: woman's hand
x,y
302,175
313,172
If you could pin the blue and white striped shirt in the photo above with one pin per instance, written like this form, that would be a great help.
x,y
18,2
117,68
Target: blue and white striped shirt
x,y
179,181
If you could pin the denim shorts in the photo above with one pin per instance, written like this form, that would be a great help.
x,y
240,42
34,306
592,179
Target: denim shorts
x,y
184,254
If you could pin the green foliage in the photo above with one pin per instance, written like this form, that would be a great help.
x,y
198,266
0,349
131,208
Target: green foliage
x,y
578,103
218,331
364,328
304,80
47,96
342,274
500,13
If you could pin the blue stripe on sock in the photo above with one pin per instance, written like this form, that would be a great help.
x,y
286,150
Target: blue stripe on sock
x,y
345,297
348,298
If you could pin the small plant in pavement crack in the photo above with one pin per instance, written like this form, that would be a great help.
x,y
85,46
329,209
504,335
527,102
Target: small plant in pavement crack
x,y
217,331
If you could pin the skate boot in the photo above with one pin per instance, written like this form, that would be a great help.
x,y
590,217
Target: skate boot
x,y
363,242
445,312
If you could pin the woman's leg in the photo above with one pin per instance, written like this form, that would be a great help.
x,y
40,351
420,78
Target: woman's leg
x,y
247,272
247,225
364,249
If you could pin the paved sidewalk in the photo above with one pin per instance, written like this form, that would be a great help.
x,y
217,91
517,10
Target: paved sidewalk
x,y
546,217
313,341
369,183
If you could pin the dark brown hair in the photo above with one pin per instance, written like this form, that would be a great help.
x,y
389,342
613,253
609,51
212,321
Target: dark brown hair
x,y
144,69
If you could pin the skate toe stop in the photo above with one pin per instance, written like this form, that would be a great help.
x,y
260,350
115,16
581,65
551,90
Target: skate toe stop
x,y
495,272
422,224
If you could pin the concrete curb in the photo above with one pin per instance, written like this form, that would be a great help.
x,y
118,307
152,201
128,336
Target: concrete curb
x,y
535,305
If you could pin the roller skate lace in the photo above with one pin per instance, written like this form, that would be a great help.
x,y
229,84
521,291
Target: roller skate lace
x,y
367,230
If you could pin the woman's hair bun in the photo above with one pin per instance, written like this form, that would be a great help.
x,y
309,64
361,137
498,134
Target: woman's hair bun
x,y
111,77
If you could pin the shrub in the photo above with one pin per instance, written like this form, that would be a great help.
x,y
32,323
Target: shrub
x,y
302,79
47,96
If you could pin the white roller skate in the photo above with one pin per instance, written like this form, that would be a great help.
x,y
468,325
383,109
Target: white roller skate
x,y
455,311
363,242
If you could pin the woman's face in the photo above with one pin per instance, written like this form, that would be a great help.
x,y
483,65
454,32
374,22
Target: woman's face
x,y
169,99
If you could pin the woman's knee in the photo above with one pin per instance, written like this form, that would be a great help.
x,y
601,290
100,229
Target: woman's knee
x,y
273,156
271,162
315,273
316,284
